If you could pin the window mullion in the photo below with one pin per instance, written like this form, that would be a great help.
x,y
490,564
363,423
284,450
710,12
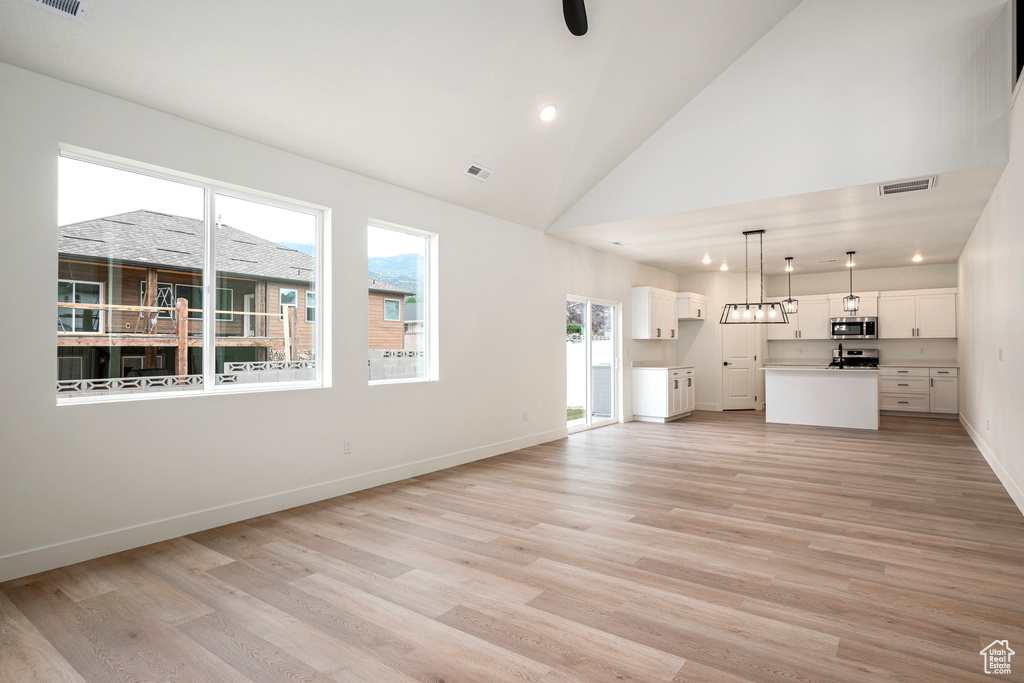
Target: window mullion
x,y
209,303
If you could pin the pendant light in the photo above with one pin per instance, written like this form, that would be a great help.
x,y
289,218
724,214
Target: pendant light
x,y
790,305
760,312
851,304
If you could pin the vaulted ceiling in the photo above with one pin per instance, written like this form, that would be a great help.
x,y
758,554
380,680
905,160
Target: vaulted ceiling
x,y
680,122
410,92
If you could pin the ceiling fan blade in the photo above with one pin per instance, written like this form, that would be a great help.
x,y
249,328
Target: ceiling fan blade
x,y
575,16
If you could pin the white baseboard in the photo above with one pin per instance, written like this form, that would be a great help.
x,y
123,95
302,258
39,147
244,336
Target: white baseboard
x,y
706,406
1012,487
48,557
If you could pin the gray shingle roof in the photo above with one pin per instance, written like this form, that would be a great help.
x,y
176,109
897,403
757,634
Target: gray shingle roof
x,y
381,286
162,240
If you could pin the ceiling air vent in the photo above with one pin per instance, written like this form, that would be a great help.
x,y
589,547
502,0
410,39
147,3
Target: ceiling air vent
x,y
72,9
479,172
906,186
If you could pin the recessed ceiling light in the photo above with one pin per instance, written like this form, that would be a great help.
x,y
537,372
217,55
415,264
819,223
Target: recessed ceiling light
x,y
706,259
725,266
548,113
620,244
917,259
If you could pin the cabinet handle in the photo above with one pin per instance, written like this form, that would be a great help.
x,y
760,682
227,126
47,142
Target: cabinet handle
x,y
657,331
904,402
676,385
698,312
689,381
943,372
932,383
903,372
672,333
903,385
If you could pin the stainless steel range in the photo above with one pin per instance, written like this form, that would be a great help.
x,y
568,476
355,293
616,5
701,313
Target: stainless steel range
x,y
854,358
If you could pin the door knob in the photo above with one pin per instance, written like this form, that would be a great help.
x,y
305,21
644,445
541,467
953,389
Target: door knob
x,y
725,363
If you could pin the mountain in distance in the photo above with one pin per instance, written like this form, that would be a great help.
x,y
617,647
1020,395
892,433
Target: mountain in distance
x,y
404,271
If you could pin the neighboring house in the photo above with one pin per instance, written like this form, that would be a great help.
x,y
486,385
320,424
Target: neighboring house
x,y
387,330
117,259
414,326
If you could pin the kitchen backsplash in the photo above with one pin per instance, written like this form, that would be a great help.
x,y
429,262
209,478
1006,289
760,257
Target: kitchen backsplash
x,y
888,349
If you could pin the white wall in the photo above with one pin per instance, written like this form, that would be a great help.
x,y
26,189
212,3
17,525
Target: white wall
x,y
84,480
837,94
864,280
991,317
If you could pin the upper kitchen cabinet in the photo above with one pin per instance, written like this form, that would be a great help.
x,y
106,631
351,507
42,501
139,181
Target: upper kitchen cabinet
x,y
811,321
654,314
924,313
868,305
690,306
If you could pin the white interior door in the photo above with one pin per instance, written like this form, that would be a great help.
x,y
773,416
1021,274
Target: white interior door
x,y
739,367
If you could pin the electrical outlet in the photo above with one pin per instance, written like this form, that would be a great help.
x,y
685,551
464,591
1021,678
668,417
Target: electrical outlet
x,y
526,416
922,350
1000,354
347,446
988,425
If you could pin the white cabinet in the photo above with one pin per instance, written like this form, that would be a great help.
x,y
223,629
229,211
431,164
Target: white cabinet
x,y
919,390
868,305
811,321
917,313
690,306
654,313
662,394
944,386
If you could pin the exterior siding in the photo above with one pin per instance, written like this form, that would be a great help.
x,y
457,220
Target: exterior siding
x,y
385,334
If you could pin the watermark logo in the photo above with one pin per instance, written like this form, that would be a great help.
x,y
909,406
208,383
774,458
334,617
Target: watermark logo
x,y
997,657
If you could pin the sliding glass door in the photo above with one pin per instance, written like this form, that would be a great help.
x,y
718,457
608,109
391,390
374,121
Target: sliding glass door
x,y
592,363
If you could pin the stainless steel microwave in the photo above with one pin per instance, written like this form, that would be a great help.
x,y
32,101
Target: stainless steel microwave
x,y
854,328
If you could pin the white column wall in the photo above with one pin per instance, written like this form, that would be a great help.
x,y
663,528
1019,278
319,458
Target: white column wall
x,y
990,318
85,480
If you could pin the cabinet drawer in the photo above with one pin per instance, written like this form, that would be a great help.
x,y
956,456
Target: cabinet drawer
x,y
903,372
944,372
904,385
677,373
915,403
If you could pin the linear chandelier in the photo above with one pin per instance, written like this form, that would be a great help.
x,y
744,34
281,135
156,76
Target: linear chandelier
x,y
760,312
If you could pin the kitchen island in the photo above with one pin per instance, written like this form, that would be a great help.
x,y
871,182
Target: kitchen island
x,y
821,396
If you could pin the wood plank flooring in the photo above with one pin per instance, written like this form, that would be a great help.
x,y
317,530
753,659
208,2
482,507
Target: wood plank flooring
x,y
715,548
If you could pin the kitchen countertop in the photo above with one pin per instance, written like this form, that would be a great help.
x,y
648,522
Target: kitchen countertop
x,y
795,363
659,365
817,368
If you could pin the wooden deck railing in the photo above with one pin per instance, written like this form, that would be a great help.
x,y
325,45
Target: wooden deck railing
x,y
180,338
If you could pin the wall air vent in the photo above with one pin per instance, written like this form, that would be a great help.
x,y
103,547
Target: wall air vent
x,y
829,260
906,186
72,9
479,172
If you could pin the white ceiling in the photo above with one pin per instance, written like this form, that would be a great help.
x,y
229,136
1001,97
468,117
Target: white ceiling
x,y
410,92
886,232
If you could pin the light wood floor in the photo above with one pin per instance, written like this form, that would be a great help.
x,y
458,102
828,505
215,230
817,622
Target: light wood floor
x,y
716,548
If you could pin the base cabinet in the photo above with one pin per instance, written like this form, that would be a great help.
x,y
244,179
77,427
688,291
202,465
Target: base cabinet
x,y
919,390
944,391
662,394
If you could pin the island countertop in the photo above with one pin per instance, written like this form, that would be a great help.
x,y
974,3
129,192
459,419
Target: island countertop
x,y
822,396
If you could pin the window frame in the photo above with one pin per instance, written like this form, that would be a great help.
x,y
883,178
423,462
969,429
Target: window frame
x,y
385,311
99,305
428,304
281,304
160,315
310,293
321,277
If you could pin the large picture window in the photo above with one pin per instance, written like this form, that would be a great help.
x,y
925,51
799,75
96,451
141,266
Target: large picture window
x,y
402,297
151,266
